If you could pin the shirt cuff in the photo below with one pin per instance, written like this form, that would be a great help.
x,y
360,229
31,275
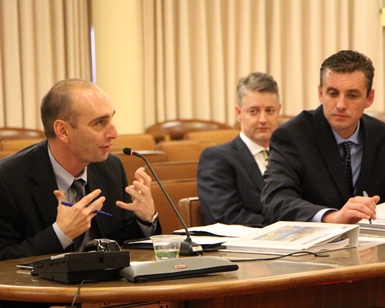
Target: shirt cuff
x,y
148,227
318,216
147,230
64,240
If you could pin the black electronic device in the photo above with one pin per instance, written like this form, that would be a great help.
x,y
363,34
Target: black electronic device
x,y
104,262
100,244
187,247
177,268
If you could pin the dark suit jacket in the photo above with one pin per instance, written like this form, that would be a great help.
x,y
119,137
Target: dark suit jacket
x,y
229,185
305,172
28,206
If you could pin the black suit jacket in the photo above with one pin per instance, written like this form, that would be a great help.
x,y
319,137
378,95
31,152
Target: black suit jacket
x,y
230,184
28,206
305,172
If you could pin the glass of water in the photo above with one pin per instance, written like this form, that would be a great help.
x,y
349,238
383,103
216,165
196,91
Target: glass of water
x,y
166,246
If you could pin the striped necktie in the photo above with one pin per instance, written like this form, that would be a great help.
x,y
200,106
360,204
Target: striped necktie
x,y
78,187
266,156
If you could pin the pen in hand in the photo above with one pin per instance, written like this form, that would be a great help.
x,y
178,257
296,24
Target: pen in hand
x,y
96,211
365,194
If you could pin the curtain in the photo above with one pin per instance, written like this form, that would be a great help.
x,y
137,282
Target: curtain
x,y
41,42
195,51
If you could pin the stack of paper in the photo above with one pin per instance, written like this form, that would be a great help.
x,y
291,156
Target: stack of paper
x,y
210,237
374,225
219,229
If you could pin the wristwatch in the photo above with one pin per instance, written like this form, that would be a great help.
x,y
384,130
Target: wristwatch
x,y
150,223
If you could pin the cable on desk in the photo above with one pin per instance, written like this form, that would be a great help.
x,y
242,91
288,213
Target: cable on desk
x,y
78,291
291,254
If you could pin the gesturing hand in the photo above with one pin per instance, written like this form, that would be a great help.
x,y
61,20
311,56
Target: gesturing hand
x,y
140,190
75,220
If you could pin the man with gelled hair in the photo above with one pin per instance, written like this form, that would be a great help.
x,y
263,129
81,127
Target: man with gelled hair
x,y
323,161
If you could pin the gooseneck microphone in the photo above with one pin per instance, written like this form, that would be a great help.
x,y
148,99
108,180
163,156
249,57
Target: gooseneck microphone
x,y
187,247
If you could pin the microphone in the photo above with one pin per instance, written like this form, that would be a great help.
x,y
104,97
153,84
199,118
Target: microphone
x,y
187,247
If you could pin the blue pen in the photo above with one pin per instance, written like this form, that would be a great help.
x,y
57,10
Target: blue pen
x,y
96,211
365,194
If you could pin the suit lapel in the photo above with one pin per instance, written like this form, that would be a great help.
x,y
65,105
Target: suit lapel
x,y
248,162
43,196
368,154
328,148
92,184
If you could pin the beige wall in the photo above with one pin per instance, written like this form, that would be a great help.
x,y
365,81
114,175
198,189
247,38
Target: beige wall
x,y
118,66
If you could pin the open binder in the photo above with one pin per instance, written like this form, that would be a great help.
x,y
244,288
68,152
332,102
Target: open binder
x,y
291,236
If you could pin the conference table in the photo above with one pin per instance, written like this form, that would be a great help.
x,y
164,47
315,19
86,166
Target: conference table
x,y
346,278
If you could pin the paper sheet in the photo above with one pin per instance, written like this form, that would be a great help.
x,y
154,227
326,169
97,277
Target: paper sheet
x,y
222,230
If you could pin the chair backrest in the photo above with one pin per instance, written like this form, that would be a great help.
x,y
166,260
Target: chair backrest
x,y
375,114
137,142
219,135
174,170
282,119
178,150
6,153
20,133
132,163
176,189
190,210
15,145
176,129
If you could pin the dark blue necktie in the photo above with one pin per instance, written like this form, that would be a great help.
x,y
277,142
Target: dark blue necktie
x,y
346,161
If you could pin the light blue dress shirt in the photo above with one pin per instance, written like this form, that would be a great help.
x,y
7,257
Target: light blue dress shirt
x,y
356,158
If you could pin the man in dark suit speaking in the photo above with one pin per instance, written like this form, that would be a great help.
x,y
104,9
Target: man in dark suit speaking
x,y
230,176
77,119
323,161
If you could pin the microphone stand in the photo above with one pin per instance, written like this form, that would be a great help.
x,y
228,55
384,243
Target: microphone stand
x,y
187,247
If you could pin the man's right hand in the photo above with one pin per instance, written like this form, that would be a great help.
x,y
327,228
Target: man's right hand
x,y
354,210
75,220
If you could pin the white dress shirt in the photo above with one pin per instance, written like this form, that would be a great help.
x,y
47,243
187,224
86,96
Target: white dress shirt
x,y
257,151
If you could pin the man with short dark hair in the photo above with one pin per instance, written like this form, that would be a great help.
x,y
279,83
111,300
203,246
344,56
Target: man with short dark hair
x,y
323,161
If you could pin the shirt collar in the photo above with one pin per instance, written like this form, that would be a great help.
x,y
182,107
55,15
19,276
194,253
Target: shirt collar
x,y
353,138
251,145
63,178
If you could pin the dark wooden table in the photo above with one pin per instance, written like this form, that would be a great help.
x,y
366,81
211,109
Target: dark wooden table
x,y
347,278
